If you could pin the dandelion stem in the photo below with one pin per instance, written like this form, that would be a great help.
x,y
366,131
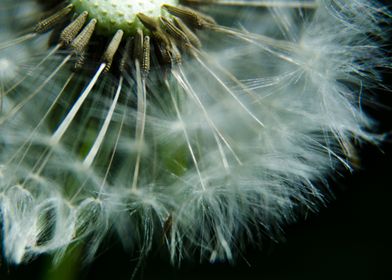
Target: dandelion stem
x,y
75,108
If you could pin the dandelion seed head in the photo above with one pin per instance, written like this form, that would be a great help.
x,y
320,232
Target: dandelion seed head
x,y
187,122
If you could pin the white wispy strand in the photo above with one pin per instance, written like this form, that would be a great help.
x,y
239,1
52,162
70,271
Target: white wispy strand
x,y
230,143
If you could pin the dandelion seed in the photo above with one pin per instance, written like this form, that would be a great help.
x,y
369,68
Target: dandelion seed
x,y
177,118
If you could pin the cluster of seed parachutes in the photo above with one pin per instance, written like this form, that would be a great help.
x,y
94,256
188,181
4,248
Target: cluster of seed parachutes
x,y
166,37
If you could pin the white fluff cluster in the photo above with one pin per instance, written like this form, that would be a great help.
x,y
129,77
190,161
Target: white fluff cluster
x,y
230,143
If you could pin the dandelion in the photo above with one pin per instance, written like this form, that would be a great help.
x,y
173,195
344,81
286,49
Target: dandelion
x,y
192,123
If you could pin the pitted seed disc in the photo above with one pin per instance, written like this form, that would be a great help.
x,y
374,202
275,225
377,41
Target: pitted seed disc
x,y
113,15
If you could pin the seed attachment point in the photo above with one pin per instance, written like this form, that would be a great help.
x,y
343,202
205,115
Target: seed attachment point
x,y
112,49
80,44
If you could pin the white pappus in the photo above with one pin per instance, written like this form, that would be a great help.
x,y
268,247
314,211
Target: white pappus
x,y
195,123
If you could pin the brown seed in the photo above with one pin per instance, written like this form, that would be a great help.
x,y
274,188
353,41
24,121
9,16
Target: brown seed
x,y
173,31
72,30
192,37
146,62
112,49
138,45
49,22
79,45
192,17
